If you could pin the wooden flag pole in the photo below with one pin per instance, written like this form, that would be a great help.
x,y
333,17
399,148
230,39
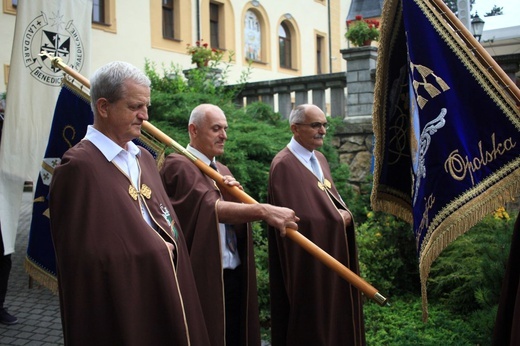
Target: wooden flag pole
x,y
483,56
294,235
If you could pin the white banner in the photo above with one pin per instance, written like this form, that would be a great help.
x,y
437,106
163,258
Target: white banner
x,y
61,28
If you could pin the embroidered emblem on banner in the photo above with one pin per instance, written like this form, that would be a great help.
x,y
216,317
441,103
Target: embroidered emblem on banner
x,y
426,82
47,170
57,37
426,138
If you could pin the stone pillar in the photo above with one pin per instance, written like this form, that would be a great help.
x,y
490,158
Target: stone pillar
x,y
464,15
318,96
268,99
301,93
337,100
284,101
361,62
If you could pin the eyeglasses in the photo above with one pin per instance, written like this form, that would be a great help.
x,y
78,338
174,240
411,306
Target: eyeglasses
x,y
316,125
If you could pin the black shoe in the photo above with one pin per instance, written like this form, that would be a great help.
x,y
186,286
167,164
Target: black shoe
x,y
7,318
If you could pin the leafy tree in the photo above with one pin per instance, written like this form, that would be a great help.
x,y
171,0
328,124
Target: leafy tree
x,y
495,11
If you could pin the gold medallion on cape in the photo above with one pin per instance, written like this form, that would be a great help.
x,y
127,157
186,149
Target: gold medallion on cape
x,y
324,185
145,192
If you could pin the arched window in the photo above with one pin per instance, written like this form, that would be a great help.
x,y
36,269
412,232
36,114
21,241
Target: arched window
x,y
98,11
168,15
253,37
104,15
215,23
284,38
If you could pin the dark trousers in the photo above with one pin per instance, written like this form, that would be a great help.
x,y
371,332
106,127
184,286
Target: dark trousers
x,y
233,298
5,269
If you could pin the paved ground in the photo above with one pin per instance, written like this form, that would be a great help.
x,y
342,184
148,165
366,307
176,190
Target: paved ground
x,y
37,309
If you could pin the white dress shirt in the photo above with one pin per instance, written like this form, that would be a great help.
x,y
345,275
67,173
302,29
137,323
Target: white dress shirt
x,y
303,155
125,160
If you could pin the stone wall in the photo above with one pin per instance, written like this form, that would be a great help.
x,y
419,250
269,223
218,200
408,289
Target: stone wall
x,y
354,142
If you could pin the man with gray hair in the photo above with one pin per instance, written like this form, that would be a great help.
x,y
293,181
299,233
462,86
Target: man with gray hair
x,y
218,233
124,273
311,304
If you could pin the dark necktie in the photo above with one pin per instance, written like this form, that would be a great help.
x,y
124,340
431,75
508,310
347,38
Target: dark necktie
x,y
231,237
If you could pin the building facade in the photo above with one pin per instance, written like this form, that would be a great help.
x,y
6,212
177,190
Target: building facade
x,y
280,38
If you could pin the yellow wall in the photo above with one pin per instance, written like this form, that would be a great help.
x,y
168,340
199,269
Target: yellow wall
x,y
134,34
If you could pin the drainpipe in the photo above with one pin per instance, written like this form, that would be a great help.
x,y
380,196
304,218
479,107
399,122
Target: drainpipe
x,y
198,19
330,39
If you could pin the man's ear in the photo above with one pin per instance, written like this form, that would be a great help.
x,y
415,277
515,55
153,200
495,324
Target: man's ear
x,y
192,129
294,128
102,105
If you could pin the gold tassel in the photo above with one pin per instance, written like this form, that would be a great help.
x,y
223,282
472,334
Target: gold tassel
x,y
43,278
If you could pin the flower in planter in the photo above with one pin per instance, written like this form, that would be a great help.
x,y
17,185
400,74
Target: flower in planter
x,y
362,31
202,54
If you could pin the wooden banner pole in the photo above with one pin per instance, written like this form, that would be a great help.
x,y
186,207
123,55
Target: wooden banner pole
x,y
292,234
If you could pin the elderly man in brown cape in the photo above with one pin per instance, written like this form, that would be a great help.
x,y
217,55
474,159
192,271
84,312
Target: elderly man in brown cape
x,y
310,304
217,233
124,273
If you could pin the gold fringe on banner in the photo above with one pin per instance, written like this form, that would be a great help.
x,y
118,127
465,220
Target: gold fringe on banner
x,y
76,87
462,217
44,278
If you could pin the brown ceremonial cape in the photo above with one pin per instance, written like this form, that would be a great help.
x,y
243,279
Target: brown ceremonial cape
x,y
118,283
195,196
311,304
507,323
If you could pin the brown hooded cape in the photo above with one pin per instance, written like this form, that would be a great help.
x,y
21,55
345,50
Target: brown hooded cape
x,y
195,196
310,304
118,282
507,323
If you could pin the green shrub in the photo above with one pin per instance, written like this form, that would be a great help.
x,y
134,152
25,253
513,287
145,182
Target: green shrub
x,y
401,324
262,278
468,274
387,254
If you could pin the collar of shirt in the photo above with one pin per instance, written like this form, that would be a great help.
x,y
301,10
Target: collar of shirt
x,y
199,155
107,146
300,152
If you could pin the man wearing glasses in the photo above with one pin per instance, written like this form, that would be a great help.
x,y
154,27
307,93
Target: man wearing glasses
x,y
310,304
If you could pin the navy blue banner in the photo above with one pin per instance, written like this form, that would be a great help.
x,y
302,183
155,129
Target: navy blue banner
x,y
72,115
447,135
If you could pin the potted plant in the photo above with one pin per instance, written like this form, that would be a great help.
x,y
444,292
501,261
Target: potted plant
x,y
361,32
202,54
